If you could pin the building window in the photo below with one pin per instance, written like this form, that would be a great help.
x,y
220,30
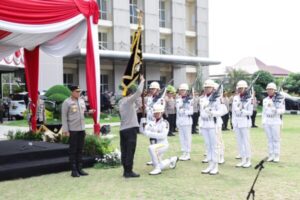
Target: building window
x,y
162,46
104,83
162,13
68,79
103,4
133,11
163,80
103,43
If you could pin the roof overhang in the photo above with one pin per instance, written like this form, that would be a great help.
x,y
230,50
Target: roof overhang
x,y
148,57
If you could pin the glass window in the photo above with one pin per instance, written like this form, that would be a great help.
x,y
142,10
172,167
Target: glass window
x,y
68,79
103,4
162,14
133,11
162,46
103,43
104,83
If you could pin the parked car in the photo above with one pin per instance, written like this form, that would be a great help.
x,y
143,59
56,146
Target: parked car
x,y
17,105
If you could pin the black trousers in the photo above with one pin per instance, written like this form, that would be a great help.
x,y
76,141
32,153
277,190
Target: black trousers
x,y
230,116
1,116
139,117
225,119
253,117
172,122
76,142
195,121
128,145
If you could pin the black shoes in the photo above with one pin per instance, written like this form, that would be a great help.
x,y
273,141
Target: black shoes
x,y
80,171
171,134
77,171
131,175
74,172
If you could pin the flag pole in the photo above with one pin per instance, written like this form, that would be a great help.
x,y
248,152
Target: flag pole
x,y
142,72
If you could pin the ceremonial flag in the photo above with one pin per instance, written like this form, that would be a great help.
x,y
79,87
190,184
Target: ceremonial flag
x,y
134,65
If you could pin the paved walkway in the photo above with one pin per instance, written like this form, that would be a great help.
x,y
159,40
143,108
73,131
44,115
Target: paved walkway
x,y
4,129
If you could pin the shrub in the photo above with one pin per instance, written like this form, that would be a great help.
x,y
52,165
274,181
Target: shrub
x,y
57,94
58,98
25,135
58,89
96,146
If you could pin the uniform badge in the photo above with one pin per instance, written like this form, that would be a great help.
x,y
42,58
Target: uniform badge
x,y
74,109
269,104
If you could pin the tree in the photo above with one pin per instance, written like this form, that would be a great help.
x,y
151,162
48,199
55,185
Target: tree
x,y
261,83
292,83
198,81
233,76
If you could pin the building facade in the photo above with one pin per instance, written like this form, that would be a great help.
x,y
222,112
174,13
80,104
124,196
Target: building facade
x,y
175,41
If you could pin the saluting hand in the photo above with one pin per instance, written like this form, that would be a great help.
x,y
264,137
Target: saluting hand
x,y
142,79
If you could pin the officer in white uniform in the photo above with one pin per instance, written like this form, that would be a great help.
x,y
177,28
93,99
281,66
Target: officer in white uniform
x,y
184,112
241,121
209,122
273,108
154,92
158,130
220,142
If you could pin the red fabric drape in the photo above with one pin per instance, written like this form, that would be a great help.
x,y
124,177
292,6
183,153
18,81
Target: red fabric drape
x,y
32,80
47,12
91,79
3,34
91,9
37,12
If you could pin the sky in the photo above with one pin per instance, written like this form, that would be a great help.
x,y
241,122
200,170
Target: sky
x,y
266,29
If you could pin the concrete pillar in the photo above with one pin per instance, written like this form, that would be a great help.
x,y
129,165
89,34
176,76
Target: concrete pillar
x,y
179,75
151,30
121,21
50,71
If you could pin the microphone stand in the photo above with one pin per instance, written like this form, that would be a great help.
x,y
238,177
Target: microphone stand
x,y
260,166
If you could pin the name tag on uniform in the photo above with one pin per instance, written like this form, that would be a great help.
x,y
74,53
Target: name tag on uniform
x,y
74,108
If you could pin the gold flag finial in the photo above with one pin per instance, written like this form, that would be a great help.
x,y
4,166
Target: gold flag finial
x,y
140,17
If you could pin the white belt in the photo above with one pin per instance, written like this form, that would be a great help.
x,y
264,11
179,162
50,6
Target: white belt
x,y
270,116
206,119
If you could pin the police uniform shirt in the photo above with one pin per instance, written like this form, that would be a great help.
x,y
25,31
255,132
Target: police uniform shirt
x,y
241,112
271,111
157,130
73,114
170,106
210,113
127,108
150,104
196,104
184,111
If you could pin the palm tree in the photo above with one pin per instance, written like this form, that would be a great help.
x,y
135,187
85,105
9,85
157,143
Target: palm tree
x,y
233,76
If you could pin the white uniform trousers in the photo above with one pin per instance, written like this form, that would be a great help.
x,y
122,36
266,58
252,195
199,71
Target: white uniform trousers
x,y
156,152
243,140
185,137
220,142
210,139
273,135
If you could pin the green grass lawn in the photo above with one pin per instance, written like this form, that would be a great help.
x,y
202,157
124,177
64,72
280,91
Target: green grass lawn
x,y
277,181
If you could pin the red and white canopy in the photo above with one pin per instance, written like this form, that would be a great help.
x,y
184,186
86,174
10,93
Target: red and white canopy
x,y
55,27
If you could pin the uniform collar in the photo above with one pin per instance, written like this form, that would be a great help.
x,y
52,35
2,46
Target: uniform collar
x,y
157,120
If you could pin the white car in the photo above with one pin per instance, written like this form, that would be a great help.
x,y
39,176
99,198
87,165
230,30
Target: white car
x,y
17,106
